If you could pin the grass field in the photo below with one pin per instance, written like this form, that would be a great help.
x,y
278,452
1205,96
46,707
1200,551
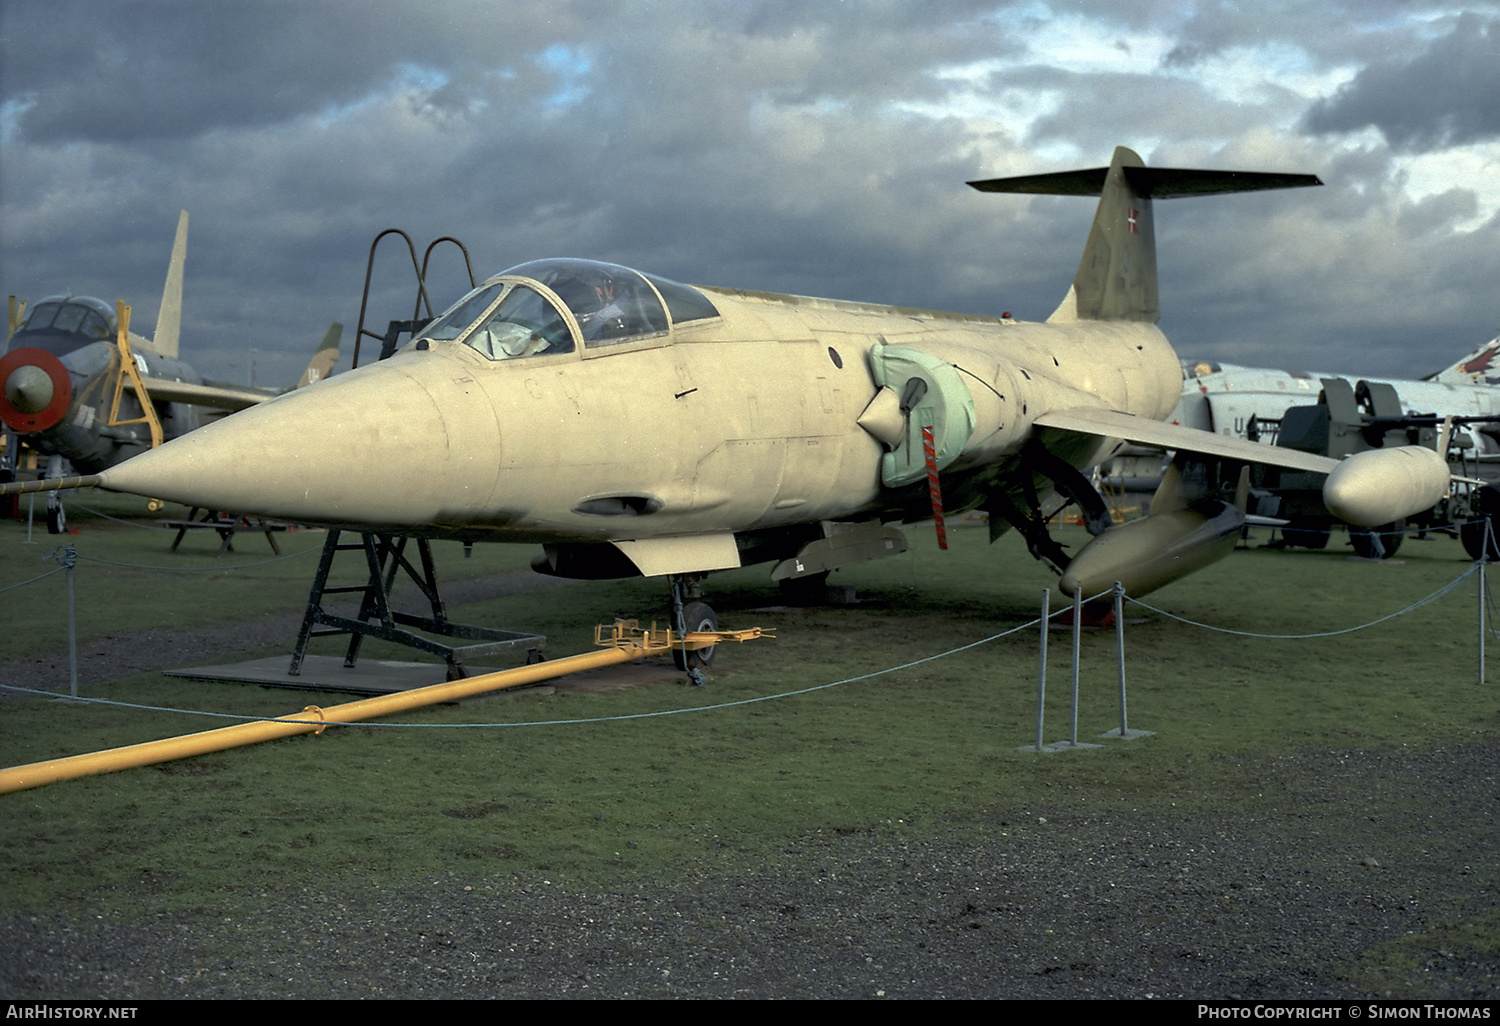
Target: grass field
x,y
600,802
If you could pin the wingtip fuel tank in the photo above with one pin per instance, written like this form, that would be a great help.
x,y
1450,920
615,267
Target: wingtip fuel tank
x,y
1384,486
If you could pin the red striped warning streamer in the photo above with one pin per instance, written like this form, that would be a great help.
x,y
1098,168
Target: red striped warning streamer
x,y
933,490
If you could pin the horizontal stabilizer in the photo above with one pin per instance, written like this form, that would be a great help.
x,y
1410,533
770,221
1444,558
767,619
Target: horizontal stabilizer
x,y
1116,279
1148,182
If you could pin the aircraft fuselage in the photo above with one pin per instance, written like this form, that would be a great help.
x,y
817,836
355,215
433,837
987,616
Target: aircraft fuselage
x,y
744,422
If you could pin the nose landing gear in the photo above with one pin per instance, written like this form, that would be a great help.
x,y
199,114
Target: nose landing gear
x,y
690,614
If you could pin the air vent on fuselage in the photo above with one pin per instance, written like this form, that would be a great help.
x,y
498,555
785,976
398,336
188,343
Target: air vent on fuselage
x,y
619,506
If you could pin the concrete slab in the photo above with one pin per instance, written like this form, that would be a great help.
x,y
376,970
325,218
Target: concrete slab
x,y
326,673
1058,746
384,676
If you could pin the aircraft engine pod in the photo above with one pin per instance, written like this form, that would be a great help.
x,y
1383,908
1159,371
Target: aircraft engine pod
x,y
37,390
1384,486
1145,554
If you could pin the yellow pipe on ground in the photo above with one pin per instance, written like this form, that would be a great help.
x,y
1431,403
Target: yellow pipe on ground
x,y
314,720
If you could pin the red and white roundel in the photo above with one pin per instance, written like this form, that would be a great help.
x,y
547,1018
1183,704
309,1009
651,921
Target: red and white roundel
x,y
28,421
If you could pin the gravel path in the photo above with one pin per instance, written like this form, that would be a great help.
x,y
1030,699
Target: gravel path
x,y
1343,853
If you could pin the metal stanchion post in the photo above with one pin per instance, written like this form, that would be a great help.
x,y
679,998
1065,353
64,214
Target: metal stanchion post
x,y
1484,557
1120,648
1124,733
1077,636
70,558
1041,673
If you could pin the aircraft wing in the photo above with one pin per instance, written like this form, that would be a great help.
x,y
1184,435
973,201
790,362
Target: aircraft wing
x,y
217,396
232,398
1161,435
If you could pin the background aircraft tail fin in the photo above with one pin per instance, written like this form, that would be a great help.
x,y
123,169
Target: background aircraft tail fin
x,y
323,361
169,317
1476,368
1116,278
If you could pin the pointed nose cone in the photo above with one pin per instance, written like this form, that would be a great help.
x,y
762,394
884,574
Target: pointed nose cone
x,y
400,443
28,389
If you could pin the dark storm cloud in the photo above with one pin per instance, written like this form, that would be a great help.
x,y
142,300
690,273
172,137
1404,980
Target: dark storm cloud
x,y
145,69
1446,95
809,147
149,69
732,142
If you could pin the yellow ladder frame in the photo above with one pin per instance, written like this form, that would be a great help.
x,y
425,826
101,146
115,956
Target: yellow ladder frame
x,y
129,370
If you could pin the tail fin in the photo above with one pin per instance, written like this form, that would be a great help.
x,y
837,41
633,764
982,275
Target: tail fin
x,y
1476,368
1116,278
322,363
169,317
17,315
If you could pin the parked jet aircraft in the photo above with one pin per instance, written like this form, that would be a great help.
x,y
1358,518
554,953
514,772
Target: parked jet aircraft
x,y
73,375
1227,399
1223,397
1335,416
633,425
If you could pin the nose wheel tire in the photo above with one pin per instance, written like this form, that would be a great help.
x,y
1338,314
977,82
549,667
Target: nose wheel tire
x,y
696,616
1377,542
57,517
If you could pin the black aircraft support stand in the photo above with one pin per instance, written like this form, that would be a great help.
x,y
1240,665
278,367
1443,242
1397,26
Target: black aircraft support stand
x,y
384,555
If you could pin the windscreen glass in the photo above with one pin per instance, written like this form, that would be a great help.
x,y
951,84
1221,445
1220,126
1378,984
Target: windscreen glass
x,y
524,324
461,314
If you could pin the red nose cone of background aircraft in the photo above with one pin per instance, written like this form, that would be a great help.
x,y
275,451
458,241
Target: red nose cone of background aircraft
x,y
37,389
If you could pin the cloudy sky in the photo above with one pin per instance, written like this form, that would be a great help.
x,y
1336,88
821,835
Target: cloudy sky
x,y
807,146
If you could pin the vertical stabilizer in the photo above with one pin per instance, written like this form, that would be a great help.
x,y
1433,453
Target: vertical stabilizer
x,y
1116,278
169,318
325,359
1477,368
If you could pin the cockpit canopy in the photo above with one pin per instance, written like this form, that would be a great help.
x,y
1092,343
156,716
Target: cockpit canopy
x,y
61,324
550,306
